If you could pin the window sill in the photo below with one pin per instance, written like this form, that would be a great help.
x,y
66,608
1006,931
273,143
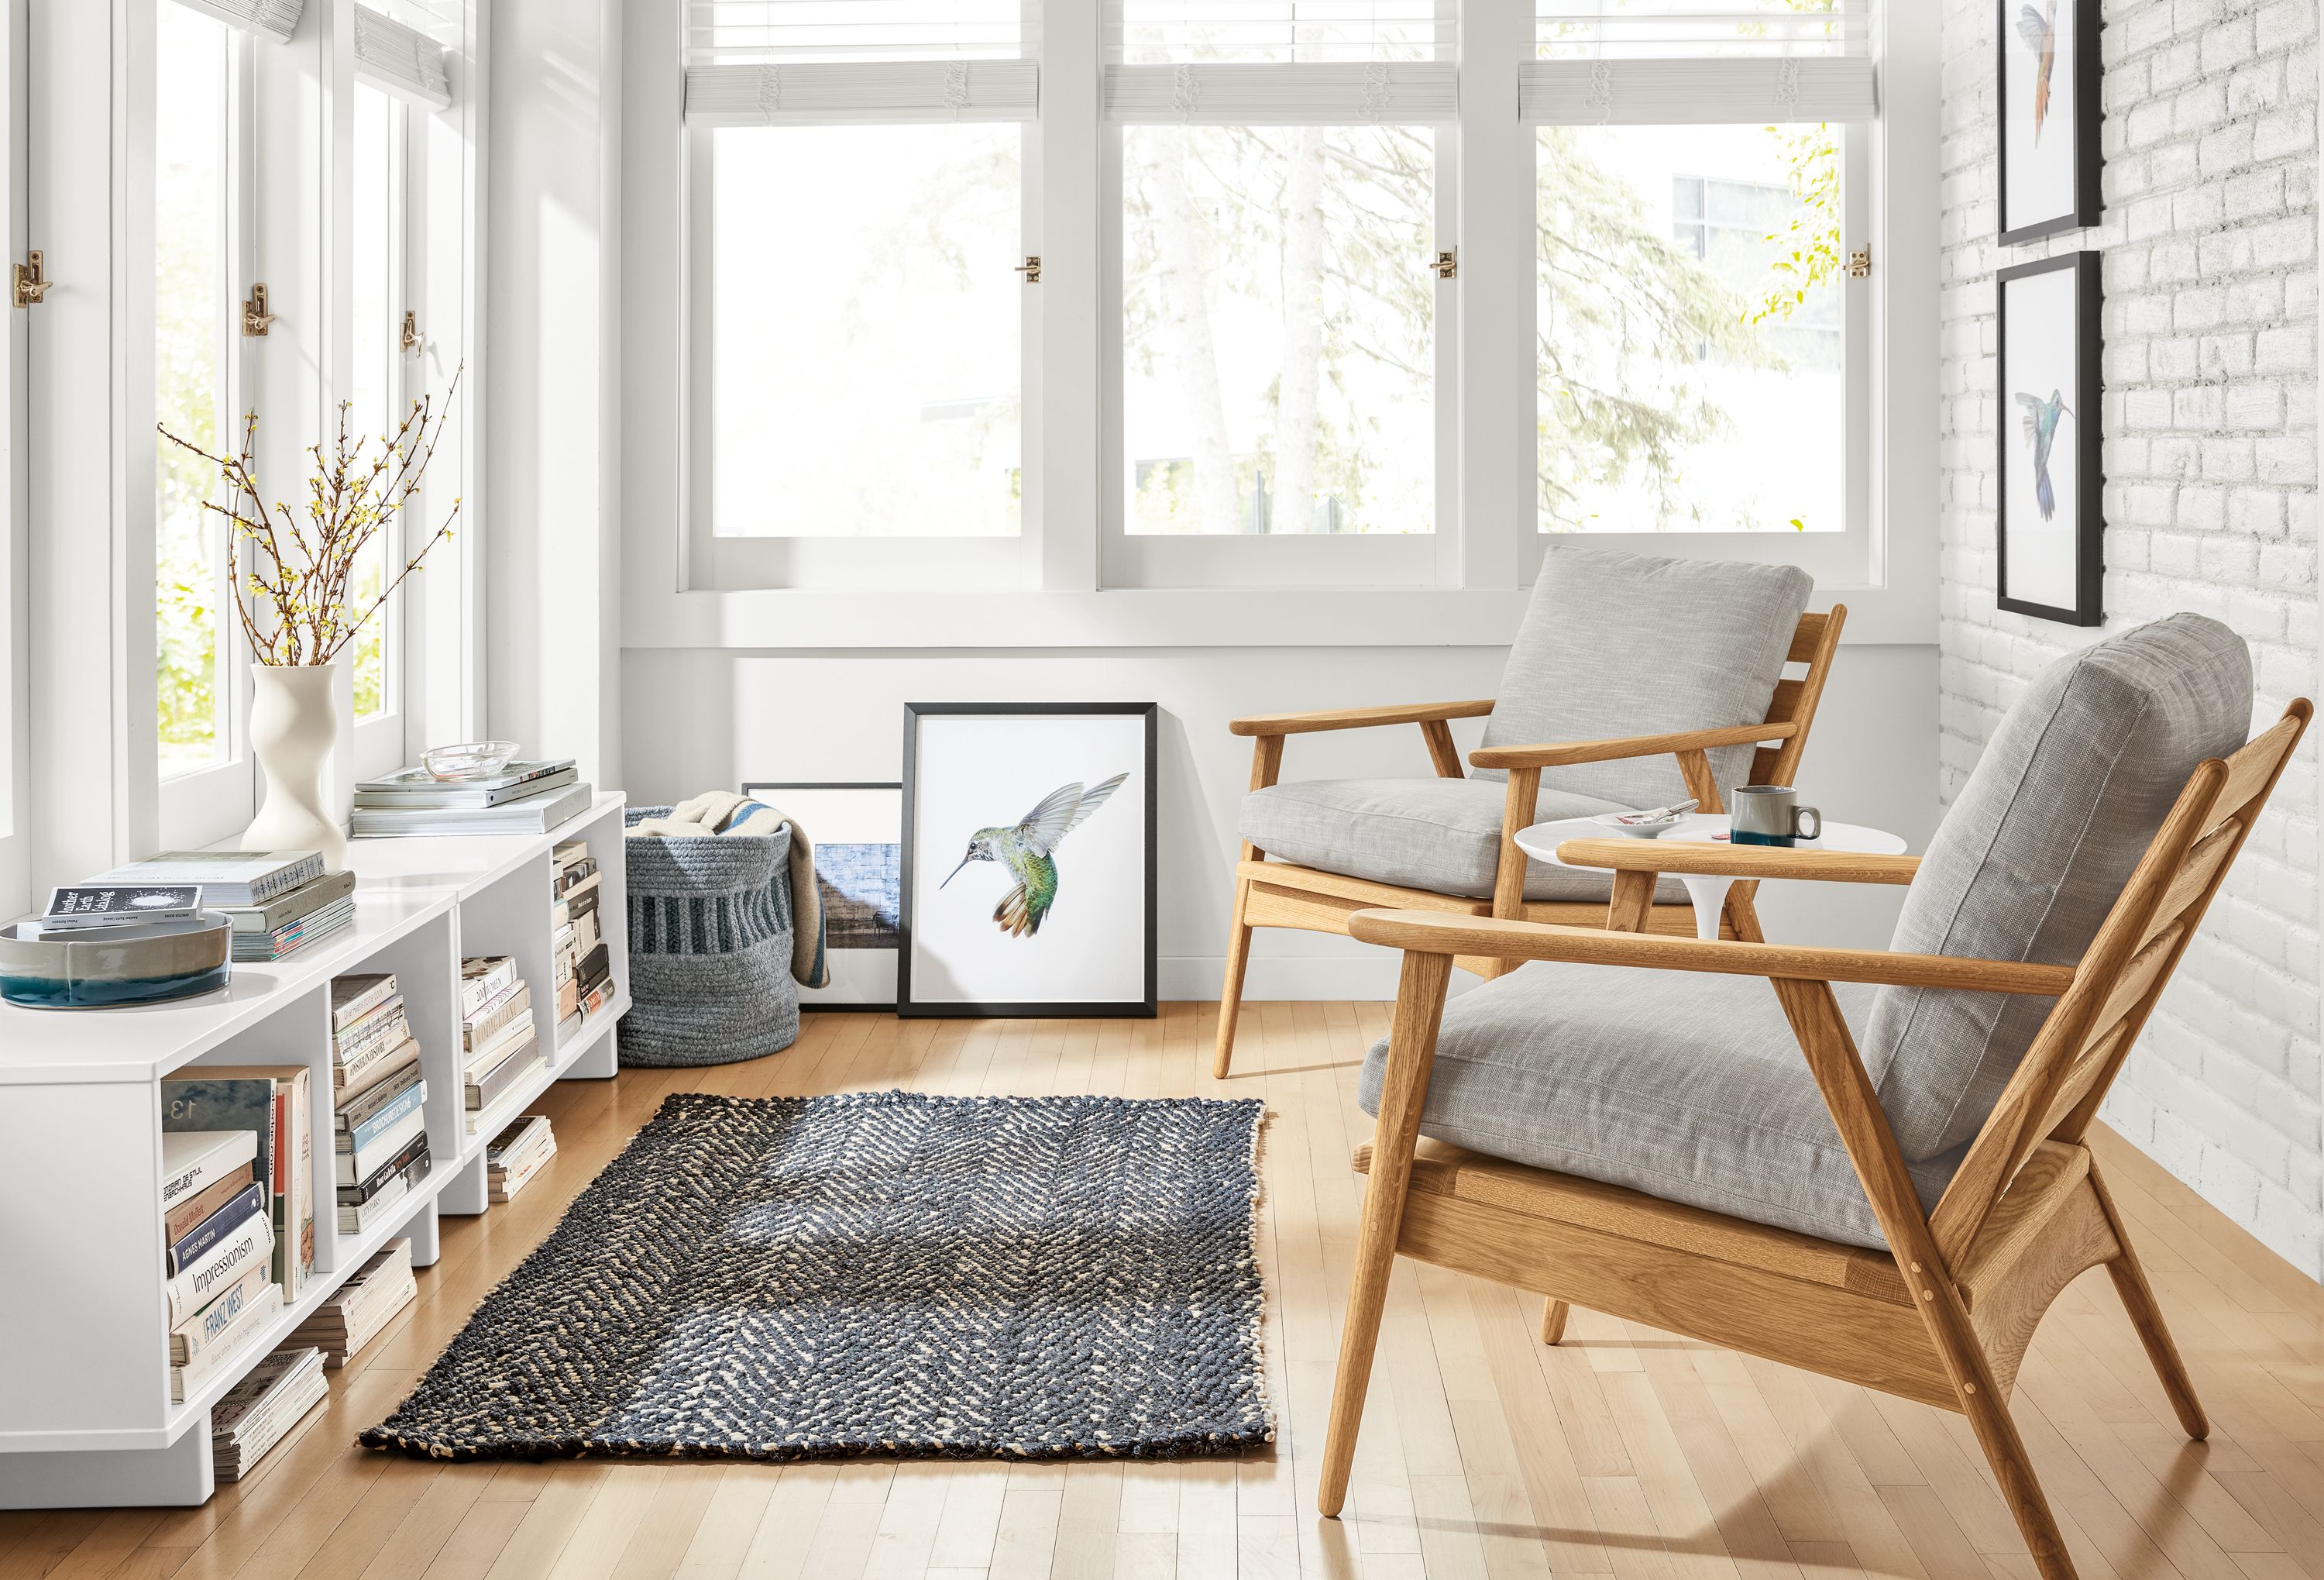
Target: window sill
x,y
1034,618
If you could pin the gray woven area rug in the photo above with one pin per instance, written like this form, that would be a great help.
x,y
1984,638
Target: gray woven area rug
x,y
880,1273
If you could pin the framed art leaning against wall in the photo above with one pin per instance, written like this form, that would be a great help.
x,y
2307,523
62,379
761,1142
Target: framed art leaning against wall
x,y
2049,522
1029,874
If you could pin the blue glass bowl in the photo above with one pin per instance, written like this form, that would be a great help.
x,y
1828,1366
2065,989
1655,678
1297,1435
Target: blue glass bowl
x,y
143,963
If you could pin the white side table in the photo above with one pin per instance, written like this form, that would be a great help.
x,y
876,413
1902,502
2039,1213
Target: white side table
x,y
1708,893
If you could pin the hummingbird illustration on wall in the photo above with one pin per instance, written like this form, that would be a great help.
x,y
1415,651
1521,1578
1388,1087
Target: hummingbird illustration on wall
x,y
2041,430
1029,851
2040,33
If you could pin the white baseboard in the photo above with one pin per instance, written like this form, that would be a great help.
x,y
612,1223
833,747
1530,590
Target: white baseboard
x,y
1198,977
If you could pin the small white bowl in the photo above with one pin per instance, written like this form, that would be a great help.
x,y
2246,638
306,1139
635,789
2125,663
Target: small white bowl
x,y
1614,821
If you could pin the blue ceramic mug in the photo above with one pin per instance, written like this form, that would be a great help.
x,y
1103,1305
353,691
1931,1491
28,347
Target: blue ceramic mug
x,y
1770,814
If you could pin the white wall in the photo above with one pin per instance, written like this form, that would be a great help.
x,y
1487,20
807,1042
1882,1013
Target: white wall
x,y
697,719
2210,238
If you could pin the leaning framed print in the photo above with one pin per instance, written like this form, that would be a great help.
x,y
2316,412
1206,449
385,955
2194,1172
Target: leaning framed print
x,y
2049,525
1029,866
857,830
2048,73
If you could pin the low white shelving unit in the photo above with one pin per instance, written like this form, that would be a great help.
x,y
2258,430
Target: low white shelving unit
x,y
85,1413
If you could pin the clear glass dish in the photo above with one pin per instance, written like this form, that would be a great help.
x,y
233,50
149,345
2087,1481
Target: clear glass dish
x,y
469,760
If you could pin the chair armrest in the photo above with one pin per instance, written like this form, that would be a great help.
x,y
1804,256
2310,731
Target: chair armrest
x,y
1737,860
1431,932
1565,754
1357,719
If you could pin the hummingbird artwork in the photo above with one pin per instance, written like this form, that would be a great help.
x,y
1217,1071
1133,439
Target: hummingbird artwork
x,y
2041,431
1028,853
2040,33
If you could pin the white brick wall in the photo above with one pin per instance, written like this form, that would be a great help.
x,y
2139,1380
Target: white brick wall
x,y
2210,238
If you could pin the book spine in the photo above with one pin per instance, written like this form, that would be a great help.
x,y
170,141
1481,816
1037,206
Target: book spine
x,y
346,1168
186,1376
480,1094
356,1035
355,1196
189,1338
190,1291
189,1247
190,1183
487,1027
354,1110
300,1132
346,1015
284,880
404,1101
372,1062
479,991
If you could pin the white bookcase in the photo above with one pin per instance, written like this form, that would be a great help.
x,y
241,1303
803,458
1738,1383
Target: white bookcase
x,y
85,1413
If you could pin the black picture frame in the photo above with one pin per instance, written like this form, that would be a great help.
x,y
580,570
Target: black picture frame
x,y
2081,17
810,1001
1146,1007
2090,523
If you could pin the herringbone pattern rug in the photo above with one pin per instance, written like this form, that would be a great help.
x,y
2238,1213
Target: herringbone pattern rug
x,y
880,1273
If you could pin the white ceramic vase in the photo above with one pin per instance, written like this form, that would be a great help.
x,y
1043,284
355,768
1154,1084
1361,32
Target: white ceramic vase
x,y
294,722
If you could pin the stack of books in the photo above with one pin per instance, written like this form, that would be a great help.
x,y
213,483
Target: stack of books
x,y
517,1154
583,969
220,1265
371,1045
379,1119
279,902
523,798
498,1045
259,1410
272,1103
364,1306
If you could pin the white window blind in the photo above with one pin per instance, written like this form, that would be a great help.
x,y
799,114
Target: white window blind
x,y
400,58
752,62
277,19
1280,62
1663,62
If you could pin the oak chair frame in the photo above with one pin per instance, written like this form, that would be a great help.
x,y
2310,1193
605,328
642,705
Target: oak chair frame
x,y
1943,1317
1285,895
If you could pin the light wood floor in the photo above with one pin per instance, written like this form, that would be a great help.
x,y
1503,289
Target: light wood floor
x,y
1624,1452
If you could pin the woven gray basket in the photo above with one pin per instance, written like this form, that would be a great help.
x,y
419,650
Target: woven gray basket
x,y
710,948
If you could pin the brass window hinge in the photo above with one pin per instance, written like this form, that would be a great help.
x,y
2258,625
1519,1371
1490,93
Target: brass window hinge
x,y
1448,264
256,319
32,280
1859,264
1031,268
411,340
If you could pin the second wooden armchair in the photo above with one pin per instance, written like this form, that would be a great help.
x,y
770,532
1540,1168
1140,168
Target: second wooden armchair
x,y
1634,682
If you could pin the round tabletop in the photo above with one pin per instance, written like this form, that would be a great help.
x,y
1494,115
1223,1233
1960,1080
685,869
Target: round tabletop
x,y
1541,839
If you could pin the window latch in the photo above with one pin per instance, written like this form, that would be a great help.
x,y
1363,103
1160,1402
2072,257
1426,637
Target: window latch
x,y
32,280
1031,268
256,319
1448,263
1859,264
411,338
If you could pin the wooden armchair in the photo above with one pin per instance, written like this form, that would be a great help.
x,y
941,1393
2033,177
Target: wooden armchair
x,y
1280,893
1935,1305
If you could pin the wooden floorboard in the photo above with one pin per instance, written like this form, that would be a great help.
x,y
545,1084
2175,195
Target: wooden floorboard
x,y
1623,1453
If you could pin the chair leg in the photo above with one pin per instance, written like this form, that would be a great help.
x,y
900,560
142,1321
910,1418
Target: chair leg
x,y
1231,1001
2146,1317
1412,1047
1553,1320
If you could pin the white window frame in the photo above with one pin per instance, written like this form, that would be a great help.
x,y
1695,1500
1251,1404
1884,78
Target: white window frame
x,y
206,803
382,743
1079,599
15,695
845,93
1290,560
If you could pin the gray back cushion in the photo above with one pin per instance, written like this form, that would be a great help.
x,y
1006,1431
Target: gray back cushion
x,y
1627,644
2032,854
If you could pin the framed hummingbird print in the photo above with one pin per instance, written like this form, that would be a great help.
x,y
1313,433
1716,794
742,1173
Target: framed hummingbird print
x,y
2048,73
858,832
1029,859
2051,530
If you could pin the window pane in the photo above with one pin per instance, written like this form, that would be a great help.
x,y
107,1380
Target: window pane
x,y
1691,370
866,358
192,305
1278,31
374,387
1278,329
1616,30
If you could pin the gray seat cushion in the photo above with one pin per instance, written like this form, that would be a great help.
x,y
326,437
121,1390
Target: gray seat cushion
x,y
1441,834
2033,850
1683,1085
1626,644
